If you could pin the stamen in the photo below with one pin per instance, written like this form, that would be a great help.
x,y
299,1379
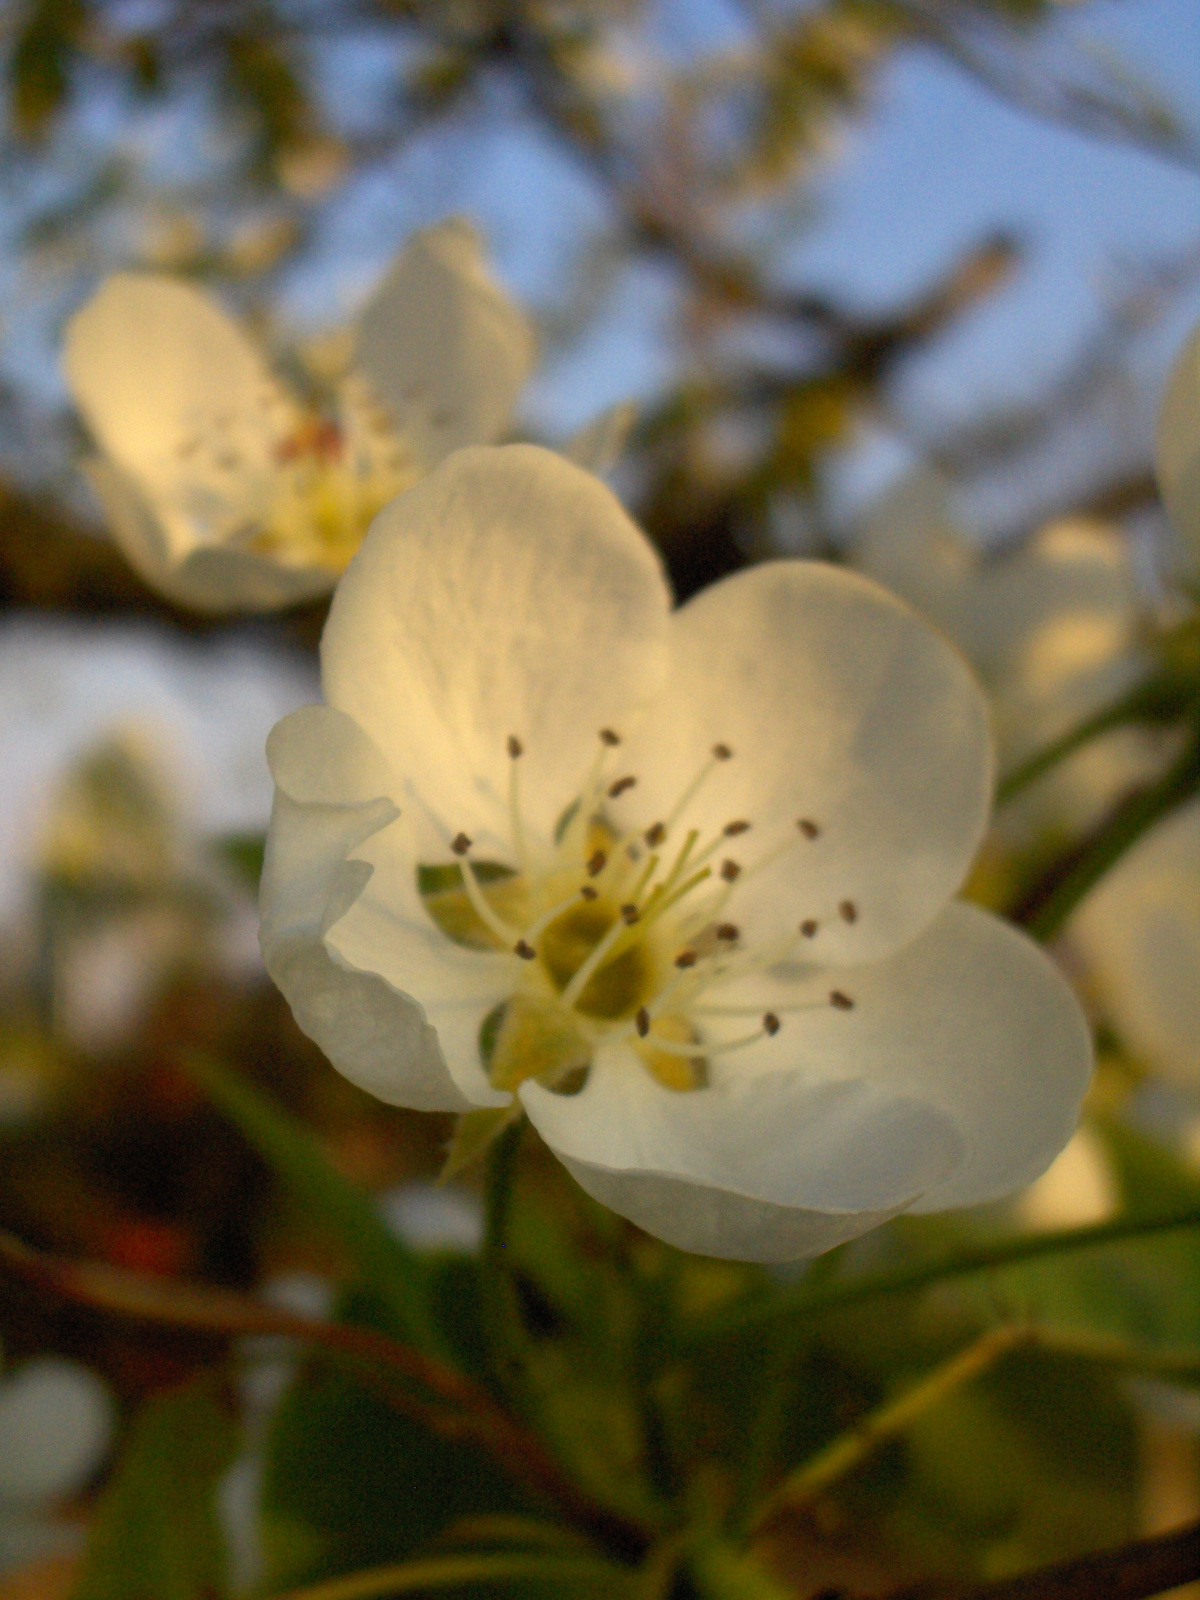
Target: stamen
x,y
629,915
655,835
732,829
730,870
616,790
728,931
524,950
848,911
608,737
460,844
686,958
515,747
690,1051
840,1001
722,752
648,871
596,863
540,924
589,893
771,1024
592,964
809,927
476,896
515,750
808,828
642,1022
703,1010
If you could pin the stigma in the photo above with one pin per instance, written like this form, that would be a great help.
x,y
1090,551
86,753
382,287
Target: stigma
x,y
622,934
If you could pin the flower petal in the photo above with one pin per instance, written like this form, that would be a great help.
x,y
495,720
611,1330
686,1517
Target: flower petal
x,y
842,708
331,796
1139,932
766,1168
1178,450
505,594
443,346
219,578
148,361
972,1018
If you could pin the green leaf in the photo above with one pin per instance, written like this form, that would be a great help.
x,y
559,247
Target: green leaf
x,y
295,1155
244,853
156,1534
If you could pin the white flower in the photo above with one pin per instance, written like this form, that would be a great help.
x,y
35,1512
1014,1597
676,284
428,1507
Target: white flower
x,y
1178,453
1054,630
228,491
681,881
1139,934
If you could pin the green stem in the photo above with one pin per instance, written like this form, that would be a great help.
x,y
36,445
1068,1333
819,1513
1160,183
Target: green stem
x,y
1047,908
800,1488
1127,709
457,1572
803,1302
503,1325
766,1430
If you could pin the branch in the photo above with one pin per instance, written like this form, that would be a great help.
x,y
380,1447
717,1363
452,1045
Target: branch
x,y
461,1408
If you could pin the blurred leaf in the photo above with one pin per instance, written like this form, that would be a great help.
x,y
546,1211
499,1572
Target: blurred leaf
x,y
244,853
156,1532
352,1482
261,77
296,1156
41,59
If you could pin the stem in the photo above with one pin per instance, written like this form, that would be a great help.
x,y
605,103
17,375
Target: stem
x,y
1050,903
455,1572
766,1428
848,1450
1133,1572
503,1326
1127,709
910,1276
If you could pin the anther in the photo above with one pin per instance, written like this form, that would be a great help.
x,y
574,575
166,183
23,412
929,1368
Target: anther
x,y
515,747
809,928
722,752
732,829
771,1024
460,844
728,930
807,828
608,737
730,870
655,835
596,863
619,788
588,892
686,958
840,1001
629,914
525,950
848,911
642,1022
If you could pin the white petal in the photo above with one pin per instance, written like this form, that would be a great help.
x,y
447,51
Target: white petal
x,y
764,1168
147,360
331,797
443,346
972,1018
1178,452
1139,932
506,594
842,708
215,578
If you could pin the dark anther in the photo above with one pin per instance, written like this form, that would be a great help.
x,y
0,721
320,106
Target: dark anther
x,y
525,951
732,829
686,958
596,863
848,911
460,844
515,747
771,1023
619,788
656,834
728,930
721,752
730,870
629,914
608,737
807,828
642,1022
588,892
809,928
842,1002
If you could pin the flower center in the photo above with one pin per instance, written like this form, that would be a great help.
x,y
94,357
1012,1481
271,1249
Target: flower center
x,y
617,935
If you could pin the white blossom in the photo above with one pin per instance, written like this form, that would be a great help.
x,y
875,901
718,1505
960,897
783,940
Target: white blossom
x,y
228,490
680,882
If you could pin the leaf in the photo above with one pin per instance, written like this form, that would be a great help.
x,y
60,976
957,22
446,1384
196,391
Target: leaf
x,y
295,1155
244,853
156,1534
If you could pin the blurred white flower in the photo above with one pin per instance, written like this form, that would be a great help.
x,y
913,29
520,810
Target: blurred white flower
x,y
1178,453
1139,935
226,489
682,882
1054,629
